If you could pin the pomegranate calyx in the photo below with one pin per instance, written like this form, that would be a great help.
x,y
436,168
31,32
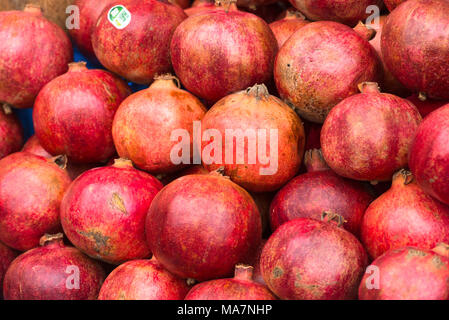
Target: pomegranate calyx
x,y
314,161
329,216
368,87
47,239
243,272
122,163
168,77
77,66
33,8
6,108
60,160
364,31
405,175
442,249
258,90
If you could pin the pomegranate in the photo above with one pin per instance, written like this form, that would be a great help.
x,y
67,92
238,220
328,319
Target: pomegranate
x,y
284,28
145,123
407,273
142,280
392,4
241,287
200,226
322,65
320,189
429,155
31,189
139,50
268,13
260,119
11,132
73,114
415,46
426,106
222,51
255,261
7,255
23,72
33,146
368,136
103,212
201,7
53,272
307,259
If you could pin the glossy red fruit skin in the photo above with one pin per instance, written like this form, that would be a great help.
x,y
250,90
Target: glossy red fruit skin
x,y
50,273
319,190
144,124
407,273
325,80
23,72
103,212
307,259
142,280
236,52
415,46
141,50
429,155
392,4
404,216
284,28
73,114
200,226
241,287
31,189
11,132
426,106
7,255
368,136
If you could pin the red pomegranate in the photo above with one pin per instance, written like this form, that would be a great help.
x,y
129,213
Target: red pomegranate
x,y
392,4
200,226
11,132
319,190
31,190
73,114
7,255
53,272
140,50
251,118
404,216
23,70
201,6
407,273
322,65
142,280
222,51
284,28
33,146
241,287
147,125
307,259
368,136
103,212
425,106
255,261
415,46
429,155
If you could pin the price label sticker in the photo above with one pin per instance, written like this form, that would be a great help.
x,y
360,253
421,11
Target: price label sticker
x,y
119,16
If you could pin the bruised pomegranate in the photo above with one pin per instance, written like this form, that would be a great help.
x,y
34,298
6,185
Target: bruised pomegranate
x,y
73,114
11,132
322,65
368,136
7,255
241,287
139,50
429,155
392,4
320,189
200,226
307,259
284,28
415,46
222,51
426,106
31,190
103,212
53,272
404,216
408,273
268,135
23,70
142,280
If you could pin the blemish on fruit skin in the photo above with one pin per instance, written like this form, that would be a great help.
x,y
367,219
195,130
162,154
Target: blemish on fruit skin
x,y
118,203
277,272
101,241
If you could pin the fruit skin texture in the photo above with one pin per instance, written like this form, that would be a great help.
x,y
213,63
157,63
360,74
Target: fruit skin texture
x,y
220,52
73,114
415,46
307,259
141,50
31,190
392,4
429,155
200,226
254,109
408,273
241,287
7,255
368,136
23,72
142,280
404,216
284,28
320,189
427,106
11,132
103,212
47,273
145,121
331,59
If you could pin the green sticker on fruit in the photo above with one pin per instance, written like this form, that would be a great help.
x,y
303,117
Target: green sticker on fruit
x,y
119,16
